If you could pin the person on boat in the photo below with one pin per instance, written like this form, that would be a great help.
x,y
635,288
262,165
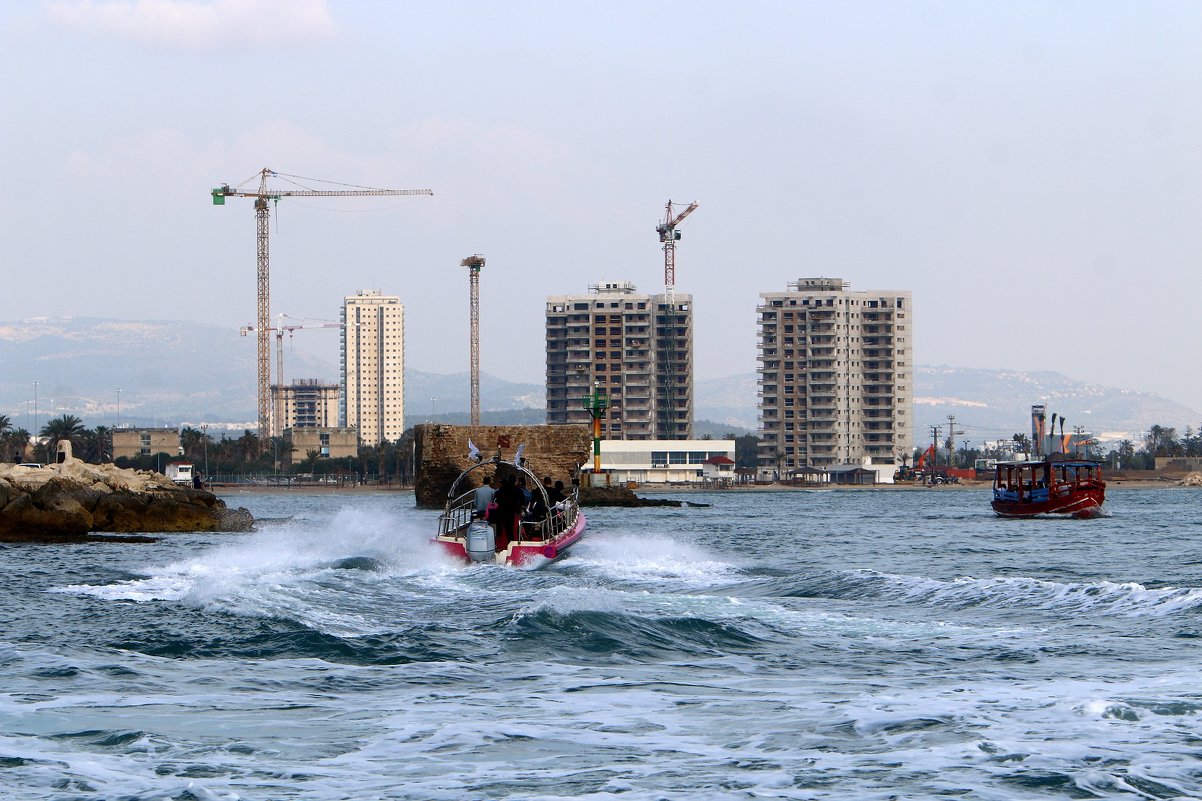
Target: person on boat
x,y
536,510
555,494
510,502
526,492
484,495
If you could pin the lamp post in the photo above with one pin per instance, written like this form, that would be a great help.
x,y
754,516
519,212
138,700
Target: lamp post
x,y
35,421
118,408
596,404
204,438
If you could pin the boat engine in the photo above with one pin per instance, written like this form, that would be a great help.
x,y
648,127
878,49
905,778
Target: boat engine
x,y
481,542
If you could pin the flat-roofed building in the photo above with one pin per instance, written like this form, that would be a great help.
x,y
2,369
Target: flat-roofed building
x,y
373,366
131,443
636,349
664,461
325,442
836,378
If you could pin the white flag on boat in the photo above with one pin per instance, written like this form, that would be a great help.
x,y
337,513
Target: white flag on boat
x,y
517,457
473,452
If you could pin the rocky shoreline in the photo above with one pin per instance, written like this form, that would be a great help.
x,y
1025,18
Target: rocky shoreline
x,y
78,502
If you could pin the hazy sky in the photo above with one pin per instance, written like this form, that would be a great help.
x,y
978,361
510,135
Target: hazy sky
x,y
1031,171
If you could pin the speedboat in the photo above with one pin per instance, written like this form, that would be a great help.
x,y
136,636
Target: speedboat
x,y
1071,487
465,534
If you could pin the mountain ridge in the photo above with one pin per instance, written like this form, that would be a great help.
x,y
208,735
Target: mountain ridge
x,y
170,372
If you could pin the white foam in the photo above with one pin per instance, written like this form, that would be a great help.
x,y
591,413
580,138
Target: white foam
x,y
1126,598
270,572
652,558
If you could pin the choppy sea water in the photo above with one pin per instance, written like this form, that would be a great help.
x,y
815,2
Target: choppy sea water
x,y
775,645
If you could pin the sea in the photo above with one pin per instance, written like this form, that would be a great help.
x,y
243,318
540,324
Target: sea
x,y
832,644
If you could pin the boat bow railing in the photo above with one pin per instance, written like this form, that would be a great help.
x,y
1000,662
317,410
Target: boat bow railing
x,y
459,512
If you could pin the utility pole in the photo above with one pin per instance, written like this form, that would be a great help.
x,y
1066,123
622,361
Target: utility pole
x,y
951,439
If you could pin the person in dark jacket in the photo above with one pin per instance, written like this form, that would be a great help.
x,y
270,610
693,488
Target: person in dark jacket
x,y
510,501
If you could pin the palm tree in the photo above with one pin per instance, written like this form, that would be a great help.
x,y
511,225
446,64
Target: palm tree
x,y
95,446
68,427
13,443
248,445
6,424
192,441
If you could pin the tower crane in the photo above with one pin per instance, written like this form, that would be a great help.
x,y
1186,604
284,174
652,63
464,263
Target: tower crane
x,y
474,264
669,236
279,328
261,197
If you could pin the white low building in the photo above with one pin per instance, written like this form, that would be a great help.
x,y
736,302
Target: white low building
x,y
660,461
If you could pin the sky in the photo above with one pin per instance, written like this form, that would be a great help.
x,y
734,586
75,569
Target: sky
x,y
1031,171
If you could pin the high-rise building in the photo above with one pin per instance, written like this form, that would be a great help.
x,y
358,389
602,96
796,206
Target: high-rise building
x,y
373,366
635,348
305,403
836,378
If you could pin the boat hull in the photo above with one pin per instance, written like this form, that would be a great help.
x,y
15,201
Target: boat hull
x,y
1083,503
522,553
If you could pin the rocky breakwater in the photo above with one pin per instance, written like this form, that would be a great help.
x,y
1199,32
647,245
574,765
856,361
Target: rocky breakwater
x,y
621,496
72,500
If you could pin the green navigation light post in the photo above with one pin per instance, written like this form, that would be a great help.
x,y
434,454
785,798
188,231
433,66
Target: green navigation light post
x,y
596,404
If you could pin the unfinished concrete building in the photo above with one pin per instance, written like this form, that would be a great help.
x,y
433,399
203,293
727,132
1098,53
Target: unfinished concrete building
x,y
635,348
305,403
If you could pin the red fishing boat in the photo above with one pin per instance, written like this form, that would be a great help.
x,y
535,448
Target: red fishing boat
x,y
538,538
1055,484
1071,487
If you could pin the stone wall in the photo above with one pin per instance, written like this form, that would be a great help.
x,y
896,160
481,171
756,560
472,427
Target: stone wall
x,y
442,453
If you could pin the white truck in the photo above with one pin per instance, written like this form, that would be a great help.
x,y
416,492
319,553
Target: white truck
x,y
180,473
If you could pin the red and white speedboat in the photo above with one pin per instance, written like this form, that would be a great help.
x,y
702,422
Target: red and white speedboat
x,y
465,534
1071,487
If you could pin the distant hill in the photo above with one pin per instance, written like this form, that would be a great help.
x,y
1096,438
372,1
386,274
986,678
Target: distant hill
x,y
988,404
171,373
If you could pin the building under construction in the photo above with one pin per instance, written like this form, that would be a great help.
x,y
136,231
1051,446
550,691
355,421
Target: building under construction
x,y
635,348
305,403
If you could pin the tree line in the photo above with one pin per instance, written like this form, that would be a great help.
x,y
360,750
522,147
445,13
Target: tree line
x,y
229,455
1158,441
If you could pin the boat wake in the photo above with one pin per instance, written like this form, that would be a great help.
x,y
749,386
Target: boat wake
x,y
652,558
290,571
1093,598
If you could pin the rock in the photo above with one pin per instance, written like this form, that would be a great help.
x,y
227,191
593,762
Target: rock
x,y
238,519
1192,480
69,500
619,496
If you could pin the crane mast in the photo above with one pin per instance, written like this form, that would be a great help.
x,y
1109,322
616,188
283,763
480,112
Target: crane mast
x,y
669,236
473,265
263,263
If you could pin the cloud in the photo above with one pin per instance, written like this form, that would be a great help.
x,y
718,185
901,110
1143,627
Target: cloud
x,y
200,23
